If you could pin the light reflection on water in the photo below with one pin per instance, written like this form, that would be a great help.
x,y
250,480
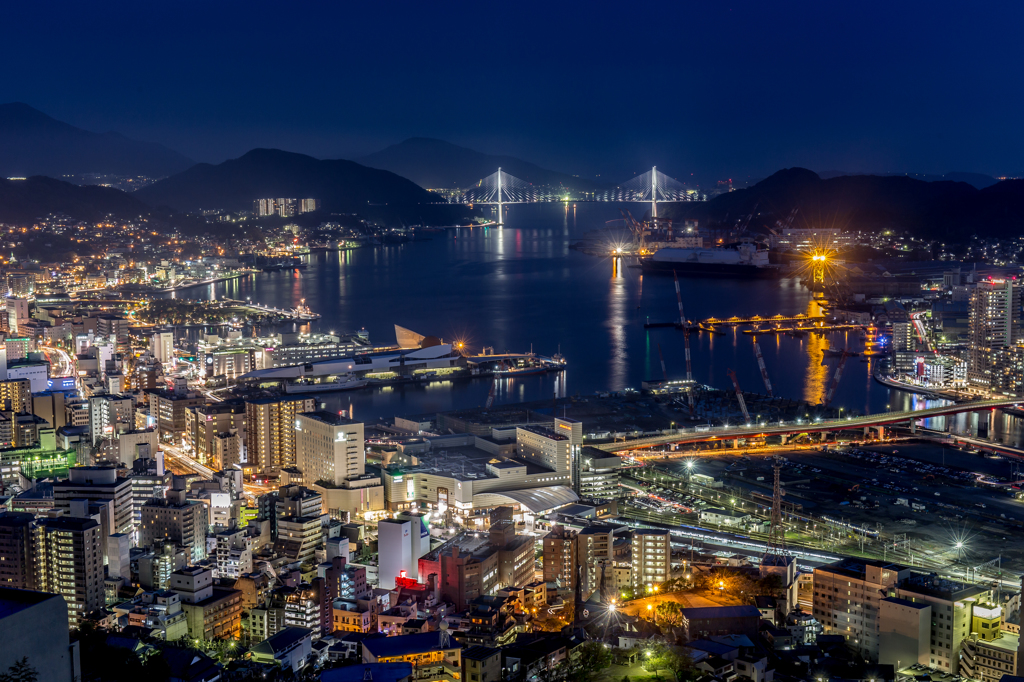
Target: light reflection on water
x,y
520,285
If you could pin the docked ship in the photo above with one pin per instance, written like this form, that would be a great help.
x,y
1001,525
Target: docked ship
x,y
345,382
743,259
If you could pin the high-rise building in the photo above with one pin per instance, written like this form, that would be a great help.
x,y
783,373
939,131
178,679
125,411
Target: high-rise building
x,y
108,414
561,558
168,408
652,558
63,555
903,337
993,325
329,447
208,432
308,205
395,550
848,596
558,449
16,395
951,623
99,484
175,519
270,430
161,345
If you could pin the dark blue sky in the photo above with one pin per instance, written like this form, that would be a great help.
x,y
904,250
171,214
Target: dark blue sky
x,y
717,88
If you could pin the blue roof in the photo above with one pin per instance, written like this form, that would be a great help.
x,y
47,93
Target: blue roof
x,y
705,612
715,648
402,645
381,672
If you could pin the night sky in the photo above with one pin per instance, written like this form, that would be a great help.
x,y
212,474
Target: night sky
x,y
718,89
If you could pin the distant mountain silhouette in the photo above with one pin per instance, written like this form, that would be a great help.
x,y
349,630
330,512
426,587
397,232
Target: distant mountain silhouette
x,y
32,143
948,211
436,164
339,186
23,201
977,180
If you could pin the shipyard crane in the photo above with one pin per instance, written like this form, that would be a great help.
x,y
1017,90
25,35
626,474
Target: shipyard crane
x,y
760,364
739,395
636,228
835,378
686,344
783,226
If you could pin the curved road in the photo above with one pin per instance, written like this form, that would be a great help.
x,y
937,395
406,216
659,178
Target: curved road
x,y
746,431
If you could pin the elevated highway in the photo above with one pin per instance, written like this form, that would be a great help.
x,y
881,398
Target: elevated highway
x,y
727,433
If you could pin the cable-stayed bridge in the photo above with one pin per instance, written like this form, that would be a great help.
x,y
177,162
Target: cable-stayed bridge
x,y
500,188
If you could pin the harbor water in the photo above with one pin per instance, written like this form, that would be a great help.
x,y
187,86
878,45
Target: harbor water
x,y
521,286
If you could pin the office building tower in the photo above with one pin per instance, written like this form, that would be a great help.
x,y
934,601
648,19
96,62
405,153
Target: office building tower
x,y
329,447
270,431
951,603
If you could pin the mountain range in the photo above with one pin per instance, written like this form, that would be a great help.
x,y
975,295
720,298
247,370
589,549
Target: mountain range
x,y
32,143
22,201
976,180
944,210
339,186
437,164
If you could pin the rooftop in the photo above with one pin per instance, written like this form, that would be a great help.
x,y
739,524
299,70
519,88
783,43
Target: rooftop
x,y
329,418
932,585
13,600
403,645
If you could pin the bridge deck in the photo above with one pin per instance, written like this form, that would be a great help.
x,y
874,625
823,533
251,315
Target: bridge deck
x,y
732,432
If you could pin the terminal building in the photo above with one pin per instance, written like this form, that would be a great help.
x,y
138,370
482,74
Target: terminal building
x,y
527,466
235,356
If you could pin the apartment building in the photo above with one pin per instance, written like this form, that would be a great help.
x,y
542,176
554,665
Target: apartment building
x,y
651,558
847,598
270,433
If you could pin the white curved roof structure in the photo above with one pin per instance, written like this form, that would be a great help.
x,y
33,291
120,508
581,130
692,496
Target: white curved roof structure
x,y
540,500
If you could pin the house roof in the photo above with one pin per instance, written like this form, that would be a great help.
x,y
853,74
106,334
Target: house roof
x,y
402,645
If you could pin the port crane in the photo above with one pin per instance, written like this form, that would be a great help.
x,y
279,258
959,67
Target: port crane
x,y
835,379
739,395
686,343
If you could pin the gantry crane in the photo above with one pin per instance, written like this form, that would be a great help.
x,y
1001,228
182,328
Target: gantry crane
x,y
739,395
686,344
